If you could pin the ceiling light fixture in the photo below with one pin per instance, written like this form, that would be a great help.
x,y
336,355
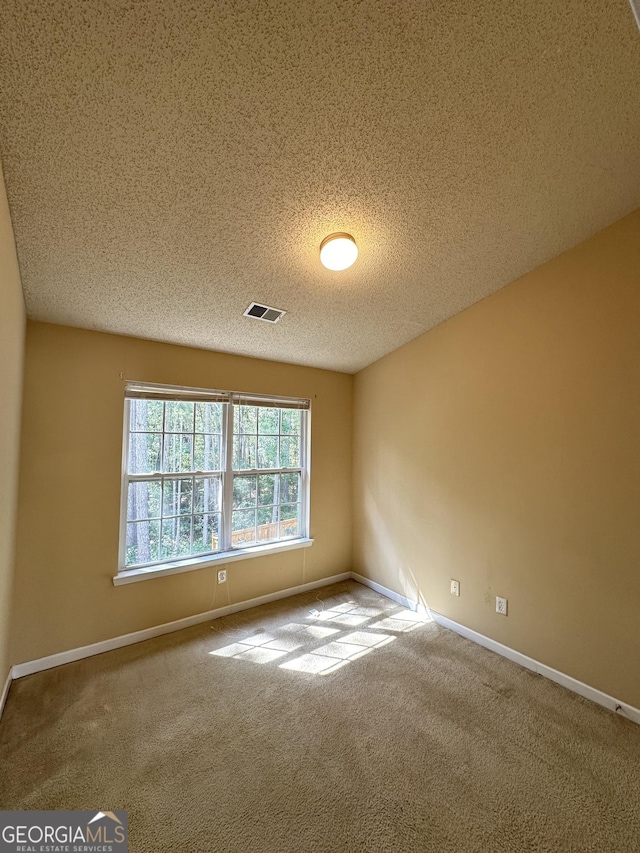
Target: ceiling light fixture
x,y
338,251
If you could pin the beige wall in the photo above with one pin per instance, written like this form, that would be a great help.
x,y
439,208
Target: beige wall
x,y
12,324
503,449
70,487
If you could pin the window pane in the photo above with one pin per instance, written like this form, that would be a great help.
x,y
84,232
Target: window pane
x,y
178,417
143,538
144,453
180,513
289,488
244,527
289,520
289,452
206,453
245,419
244,452
268,529
268,488
177,497
176,537
268,421
206,533
209,417
267,451
146,415
178,453
208,494
144,500
268,515
291,421
244,492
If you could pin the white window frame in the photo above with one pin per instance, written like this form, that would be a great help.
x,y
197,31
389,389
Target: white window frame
x,y
227,551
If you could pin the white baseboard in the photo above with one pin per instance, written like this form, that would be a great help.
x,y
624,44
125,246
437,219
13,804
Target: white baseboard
x,y
29,667
611,703
592,693
5,690
388,593
40,664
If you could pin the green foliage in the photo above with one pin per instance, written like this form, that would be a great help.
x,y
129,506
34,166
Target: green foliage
x,y
178,417
289,488
245,419
270,439
268,421
267,488
267,451
145,453
289,452
207,453
209,417
177,497
290,422
178,453
244,492
206,533
207,494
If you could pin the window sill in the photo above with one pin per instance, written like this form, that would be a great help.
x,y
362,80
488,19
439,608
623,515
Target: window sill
x,y
177,568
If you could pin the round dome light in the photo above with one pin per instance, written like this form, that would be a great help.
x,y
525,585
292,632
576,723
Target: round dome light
x,y
338,251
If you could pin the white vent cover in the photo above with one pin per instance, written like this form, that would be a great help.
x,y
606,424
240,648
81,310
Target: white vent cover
x,y
264,312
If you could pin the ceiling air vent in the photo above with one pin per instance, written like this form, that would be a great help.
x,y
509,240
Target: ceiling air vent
x,y
264,312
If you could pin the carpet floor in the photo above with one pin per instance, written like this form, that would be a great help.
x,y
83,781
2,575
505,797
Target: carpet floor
x,y
329,722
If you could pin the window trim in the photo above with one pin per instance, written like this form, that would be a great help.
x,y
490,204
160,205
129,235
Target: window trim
x,y
140,390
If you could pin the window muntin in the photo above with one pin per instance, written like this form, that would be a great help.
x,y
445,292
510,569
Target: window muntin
x,y
205,477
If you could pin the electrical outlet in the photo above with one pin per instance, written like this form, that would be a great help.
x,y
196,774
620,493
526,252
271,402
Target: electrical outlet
x,y
455,587
501,605
222,576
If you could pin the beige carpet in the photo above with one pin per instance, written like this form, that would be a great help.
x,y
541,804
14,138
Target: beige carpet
x,y
343,731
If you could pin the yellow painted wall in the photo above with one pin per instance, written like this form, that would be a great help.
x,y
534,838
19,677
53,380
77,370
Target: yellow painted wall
x,y
70,487
502,448
12,325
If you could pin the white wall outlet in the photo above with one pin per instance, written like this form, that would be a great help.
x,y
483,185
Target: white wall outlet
x,y
455,587
222,576
501,605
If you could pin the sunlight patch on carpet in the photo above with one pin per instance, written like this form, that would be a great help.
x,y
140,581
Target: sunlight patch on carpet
x,y
338,653
333,624
405,620
314,664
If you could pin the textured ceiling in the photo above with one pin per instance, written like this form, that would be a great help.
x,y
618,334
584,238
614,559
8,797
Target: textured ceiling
x,y
168,162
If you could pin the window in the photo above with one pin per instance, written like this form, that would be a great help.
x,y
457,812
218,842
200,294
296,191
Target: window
x,y
210,472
